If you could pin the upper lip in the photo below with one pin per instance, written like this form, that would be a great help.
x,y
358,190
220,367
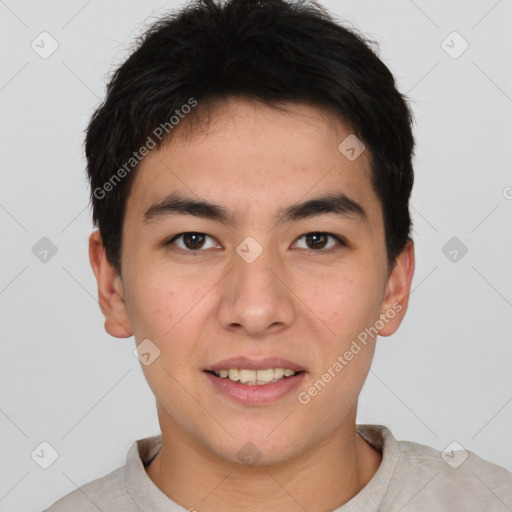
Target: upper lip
x,y
255,364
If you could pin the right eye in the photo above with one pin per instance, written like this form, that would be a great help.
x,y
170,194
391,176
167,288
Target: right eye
x,y
190,241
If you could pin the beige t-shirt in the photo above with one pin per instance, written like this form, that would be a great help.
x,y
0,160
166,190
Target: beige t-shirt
x,y
411,478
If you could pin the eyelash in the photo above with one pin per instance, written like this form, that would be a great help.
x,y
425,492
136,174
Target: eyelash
x,y
310,252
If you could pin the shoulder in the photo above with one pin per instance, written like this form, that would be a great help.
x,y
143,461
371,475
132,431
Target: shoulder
x,y
106,493
119,489
419,478
452,478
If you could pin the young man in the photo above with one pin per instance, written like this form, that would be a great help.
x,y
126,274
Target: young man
x,y
250,175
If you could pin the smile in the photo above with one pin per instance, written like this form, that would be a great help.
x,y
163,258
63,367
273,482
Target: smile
x,y
255,377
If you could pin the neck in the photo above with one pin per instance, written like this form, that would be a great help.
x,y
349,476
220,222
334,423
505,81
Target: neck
x,y
322,478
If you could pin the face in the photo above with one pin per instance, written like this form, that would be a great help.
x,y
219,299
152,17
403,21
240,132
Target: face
x,y
282,265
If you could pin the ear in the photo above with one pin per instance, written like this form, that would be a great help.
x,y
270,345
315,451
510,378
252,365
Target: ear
x,y
110,290
398,288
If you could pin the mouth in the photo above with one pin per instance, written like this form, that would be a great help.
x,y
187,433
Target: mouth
x,y
254,377
255,382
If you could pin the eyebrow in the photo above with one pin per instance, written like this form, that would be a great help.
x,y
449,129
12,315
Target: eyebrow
x,y
332,203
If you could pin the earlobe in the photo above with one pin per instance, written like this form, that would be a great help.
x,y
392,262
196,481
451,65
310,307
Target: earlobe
x,y
110,290
398,288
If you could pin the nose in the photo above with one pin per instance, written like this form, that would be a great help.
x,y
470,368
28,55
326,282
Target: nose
x,y
256,299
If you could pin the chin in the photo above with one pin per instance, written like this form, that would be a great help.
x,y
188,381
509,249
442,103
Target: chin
x,y
256,451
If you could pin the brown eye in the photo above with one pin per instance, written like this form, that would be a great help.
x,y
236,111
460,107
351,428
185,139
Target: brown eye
x,y
319,241
316,240
191,241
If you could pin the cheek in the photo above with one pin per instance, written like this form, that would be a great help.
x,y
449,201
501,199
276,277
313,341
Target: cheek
x,y
350,305
169,308
152,309
346,305
162,310
157,299
161,297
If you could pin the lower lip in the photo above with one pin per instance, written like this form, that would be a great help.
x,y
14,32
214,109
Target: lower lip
x,y
258,394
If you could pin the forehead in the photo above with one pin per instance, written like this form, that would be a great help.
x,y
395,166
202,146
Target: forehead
x,y
255,158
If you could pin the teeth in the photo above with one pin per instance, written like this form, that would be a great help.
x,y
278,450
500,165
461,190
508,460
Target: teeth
x,y
255,377
247,376
265,375
278,373
233,374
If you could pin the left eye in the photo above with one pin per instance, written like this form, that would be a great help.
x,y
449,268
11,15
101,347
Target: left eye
x,y
319,241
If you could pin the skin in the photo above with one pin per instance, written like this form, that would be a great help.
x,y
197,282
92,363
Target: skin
x,y
204,306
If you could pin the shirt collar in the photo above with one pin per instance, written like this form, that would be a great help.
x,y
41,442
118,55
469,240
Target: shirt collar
x,y
150,498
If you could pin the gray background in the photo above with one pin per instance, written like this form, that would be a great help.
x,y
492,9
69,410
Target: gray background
x,y
444,376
